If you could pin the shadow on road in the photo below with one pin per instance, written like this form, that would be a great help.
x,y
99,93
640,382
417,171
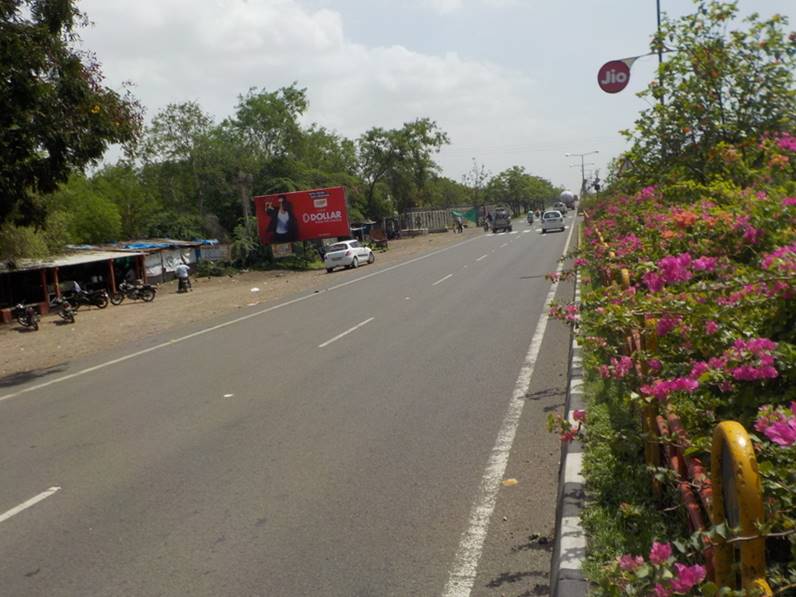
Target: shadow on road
x,y
21,377
546,393
513,577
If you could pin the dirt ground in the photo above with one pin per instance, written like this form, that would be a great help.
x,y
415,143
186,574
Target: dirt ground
x,y
96,330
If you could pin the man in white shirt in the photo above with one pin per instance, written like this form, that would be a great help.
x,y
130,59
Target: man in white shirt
x,y
183,281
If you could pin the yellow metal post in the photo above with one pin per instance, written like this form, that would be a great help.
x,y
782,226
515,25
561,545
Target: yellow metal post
x,y
738,501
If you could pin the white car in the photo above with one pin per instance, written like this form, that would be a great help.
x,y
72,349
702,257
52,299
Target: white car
x,y
347,253
552,220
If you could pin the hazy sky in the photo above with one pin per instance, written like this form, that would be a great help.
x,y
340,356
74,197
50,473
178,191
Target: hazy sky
x,y
513,82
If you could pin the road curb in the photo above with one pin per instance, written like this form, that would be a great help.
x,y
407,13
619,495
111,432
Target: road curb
x,y
569,549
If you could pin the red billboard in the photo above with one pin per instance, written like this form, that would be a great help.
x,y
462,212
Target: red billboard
x,y
302,215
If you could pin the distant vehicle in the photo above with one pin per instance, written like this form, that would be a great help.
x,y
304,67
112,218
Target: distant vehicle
x,y
568,198
347,254
552,220
530,217
561,206
501,220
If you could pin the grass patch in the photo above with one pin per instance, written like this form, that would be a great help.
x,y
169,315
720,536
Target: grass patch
x,y
622,516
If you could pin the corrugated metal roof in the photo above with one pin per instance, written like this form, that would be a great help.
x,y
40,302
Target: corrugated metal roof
x,y
22,265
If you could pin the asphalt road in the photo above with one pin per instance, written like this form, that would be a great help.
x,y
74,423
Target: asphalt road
x,y
279,455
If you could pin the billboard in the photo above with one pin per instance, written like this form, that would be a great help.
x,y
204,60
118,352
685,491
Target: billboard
x,y
302,215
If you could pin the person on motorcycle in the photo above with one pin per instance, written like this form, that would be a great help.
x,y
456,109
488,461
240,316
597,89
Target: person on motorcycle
x,y
183,280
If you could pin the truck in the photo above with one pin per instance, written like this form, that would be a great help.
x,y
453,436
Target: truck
x,y
501,219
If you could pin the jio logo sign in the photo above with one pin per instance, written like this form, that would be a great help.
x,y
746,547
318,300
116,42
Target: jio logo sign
x,y
613,76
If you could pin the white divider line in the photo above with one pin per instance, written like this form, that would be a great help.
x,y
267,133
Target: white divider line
x,y
31,502
504,245
345,333
441,280
465,563
299,299
482,257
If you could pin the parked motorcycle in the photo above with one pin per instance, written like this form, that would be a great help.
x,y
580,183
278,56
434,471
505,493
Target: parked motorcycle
x,y
66,312
145,292
27,317
98,298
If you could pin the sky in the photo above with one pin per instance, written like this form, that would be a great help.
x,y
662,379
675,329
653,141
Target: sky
x,y
512,82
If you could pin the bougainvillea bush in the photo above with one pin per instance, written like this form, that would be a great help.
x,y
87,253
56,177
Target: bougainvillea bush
x,y
700,216
712,275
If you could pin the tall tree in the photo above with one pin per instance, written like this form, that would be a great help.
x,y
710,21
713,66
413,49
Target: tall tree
x,y
400,158
175,137
55,115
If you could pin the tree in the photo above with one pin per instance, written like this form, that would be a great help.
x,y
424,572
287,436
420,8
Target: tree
x,y
86,215
475,180
175,137
718,85
521,190
400,158
56,117
269,120
136,204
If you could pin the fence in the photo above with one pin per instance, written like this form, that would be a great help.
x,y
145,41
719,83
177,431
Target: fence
x,y
733,491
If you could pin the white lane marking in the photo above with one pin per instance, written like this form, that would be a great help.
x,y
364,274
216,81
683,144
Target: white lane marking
x,y
299,299
482,257
345,333
441,280
504,245
525,231
31,502
465,563
514,232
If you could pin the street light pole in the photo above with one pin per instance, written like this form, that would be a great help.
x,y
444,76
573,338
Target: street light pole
x,y
582,168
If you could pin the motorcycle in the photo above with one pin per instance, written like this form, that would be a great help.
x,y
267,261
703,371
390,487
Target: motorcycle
x,y
27,317
145,292
184,285
98,298
66,312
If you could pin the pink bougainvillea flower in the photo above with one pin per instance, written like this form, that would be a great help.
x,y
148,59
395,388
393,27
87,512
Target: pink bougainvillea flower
x,y
789,202
675,268
704,264
752,235
630,563
653,281
646,193
660,552
784,258
654,365
661,388
778,427
787,142
579,415
667,323
687,577
661,591
711,327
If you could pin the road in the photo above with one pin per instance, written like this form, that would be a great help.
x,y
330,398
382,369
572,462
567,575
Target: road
x,y
344,442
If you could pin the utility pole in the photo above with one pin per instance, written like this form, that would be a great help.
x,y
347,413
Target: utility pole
x,y
582,168
660,48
